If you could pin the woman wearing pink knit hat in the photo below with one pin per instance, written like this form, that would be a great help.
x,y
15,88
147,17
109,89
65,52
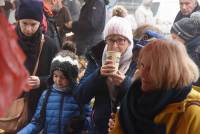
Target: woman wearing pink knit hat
x,y
103,80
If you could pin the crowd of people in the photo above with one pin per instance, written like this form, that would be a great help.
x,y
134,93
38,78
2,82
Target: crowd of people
x,y
88,76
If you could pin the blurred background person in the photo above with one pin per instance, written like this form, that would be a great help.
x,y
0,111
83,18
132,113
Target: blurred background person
x,y
11,17
88,29
2,4
187,31
187,7
74,7
63,20
142,36
51,8
144,14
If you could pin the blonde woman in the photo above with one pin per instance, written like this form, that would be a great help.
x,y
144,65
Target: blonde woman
x,y
162,100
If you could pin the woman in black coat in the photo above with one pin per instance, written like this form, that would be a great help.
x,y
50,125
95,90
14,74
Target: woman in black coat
x,y
29,15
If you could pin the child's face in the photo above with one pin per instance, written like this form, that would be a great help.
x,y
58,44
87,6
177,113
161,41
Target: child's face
x,y
59,79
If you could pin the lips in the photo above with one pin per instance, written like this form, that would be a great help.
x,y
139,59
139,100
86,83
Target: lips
x,y
28,34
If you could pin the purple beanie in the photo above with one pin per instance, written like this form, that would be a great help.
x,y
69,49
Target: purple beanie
x,y
30,9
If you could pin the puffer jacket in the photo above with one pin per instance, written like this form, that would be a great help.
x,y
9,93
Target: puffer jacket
x,y
60,108
180,118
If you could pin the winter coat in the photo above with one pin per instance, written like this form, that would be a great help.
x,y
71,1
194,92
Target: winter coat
x,y
60,108
61,18
74,8
180,118
93,85
89,28
48,52
193,49
179,16
52,30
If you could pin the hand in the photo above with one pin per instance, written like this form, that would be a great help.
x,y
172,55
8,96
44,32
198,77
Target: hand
x,y
111,123
118,78
33,82
69,24
108,68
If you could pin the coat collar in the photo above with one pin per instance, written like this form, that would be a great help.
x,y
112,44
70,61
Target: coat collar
x,y
180,106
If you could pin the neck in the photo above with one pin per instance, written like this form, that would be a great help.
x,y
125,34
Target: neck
x,y
63,89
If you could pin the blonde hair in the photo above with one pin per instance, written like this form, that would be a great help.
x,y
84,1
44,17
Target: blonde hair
x,y
139,32
119,11
170,65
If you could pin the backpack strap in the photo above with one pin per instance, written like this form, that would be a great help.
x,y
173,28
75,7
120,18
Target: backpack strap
x,y
44,105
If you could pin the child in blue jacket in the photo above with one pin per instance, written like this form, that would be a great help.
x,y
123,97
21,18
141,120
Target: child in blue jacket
x,y
58,112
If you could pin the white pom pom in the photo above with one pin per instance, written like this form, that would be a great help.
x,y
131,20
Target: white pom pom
x,y
66,59
195,17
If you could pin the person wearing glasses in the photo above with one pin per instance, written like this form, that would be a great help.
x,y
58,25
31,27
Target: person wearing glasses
x,y
101,79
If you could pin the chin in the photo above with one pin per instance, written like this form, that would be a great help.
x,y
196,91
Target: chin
x,y
146,88
28,35
186,14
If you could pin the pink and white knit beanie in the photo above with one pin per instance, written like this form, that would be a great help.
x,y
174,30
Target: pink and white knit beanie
x,y
119,26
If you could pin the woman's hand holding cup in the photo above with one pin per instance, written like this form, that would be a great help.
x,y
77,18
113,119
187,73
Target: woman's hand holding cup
x,y
111,65
108,68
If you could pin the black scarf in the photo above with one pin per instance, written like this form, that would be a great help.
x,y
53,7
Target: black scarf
x,y
138,110
30,46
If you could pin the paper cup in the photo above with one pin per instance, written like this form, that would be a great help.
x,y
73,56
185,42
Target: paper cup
x,y
115,57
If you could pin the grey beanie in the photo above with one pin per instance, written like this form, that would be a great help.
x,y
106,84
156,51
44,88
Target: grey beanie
x,y
187,28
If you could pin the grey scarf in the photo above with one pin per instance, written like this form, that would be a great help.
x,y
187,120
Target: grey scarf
x,y
124,63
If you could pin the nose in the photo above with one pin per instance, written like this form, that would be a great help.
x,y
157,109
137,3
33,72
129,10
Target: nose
x,y
115,45
184,6
58,80
28,29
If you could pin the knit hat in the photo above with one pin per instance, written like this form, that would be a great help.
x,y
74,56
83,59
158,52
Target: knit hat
x,y
30,9
187,28
67,62
119,26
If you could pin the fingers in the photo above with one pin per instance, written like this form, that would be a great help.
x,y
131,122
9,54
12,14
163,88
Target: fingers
x,y
118,78
111,122
113,115
107,72
33,82
108,68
